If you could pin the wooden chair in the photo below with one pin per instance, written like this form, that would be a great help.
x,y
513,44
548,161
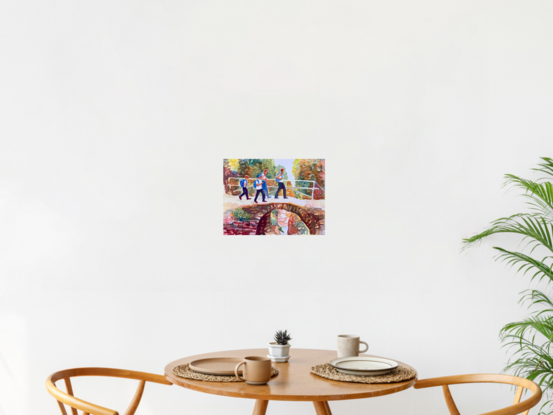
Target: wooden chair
x,y
89,408
516,408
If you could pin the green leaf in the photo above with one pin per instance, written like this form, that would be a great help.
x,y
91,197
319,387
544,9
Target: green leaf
x,y
533,228
546,167
540,195
527,263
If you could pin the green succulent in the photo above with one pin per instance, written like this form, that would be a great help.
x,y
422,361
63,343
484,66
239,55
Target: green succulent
x,y
282,337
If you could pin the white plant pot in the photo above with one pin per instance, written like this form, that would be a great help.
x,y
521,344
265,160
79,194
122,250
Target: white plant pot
x,y
277,350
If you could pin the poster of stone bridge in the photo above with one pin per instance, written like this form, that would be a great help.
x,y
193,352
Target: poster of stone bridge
x,y
273,196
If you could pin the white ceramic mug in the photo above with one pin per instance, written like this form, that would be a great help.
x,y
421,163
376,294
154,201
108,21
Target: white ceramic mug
x,y
348,345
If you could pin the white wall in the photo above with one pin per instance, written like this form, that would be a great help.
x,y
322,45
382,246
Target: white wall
x,y
116,115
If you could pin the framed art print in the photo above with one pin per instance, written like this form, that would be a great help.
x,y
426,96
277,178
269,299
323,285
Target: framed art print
x,y
274,197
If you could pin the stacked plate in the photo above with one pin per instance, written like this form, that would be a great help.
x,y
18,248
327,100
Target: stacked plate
x,y
219,366
363,365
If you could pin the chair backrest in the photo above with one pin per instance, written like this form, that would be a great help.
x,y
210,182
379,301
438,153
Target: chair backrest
x,y
88,408
516,408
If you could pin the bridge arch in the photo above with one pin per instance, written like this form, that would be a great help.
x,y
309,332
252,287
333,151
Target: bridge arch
x,y
312,217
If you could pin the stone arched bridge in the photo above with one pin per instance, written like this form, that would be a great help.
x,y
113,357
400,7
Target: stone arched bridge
x,y
314,219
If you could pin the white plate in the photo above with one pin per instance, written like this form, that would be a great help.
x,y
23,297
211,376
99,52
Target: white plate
x,y
364,365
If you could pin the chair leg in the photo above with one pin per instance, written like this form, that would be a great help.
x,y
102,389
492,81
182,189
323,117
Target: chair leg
x,y
260,407
322,408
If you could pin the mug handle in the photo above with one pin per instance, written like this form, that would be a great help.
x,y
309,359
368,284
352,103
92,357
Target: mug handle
x,y
243,362
365,343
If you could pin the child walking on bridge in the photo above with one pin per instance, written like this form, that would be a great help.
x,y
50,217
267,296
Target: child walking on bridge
x,y
280,181
244,184
258,184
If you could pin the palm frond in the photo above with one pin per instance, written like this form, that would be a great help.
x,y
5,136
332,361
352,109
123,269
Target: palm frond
x,y
532,339
532,227
527,263
536,323
546,167
532,359
536,297
540,195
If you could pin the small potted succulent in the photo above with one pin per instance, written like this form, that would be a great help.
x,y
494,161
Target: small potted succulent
x,y
279,350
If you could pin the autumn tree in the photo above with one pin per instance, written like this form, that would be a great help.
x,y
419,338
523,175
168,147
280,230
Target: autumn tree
x,y
227,173
312,170
254,167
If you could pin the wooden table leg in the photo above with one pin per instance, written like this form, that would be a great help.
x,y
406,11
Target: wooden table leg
x,y
260,407
322,408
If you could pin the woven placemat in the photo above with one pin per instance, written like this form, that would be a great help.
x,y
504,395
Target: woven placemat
x,y
184,371
400,374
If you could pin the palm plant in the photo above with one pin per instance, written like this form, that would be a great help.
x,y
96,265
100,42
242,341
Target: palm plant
x,y
532,338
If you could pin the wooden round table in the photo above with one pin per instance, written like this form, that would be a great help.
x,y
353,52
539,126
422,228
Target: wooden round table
x,y
295,382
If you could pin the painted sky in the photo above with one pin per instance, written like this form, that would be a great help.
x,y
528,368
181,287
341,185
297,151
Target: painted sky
x,y
288,164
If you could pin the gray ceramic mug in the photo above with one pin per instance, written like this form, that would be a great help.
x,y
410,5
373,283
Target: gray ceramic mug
x,y
348,345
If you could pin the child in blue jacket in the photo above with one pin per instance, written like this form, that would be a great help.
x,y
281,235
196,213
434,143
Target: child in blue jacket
x,y
244,184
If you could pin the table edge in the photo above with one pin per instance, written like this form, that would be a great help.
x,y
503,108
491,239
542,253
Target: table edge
x,y
296,398
199,387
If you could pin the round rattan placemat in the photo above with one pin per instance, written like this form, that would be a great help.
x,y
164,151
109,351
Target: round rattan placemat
x,y
184,371
400,374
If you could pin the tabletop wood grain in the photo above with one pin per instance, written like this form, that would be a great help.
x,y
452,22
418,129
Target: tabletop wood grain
x,y
295,381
